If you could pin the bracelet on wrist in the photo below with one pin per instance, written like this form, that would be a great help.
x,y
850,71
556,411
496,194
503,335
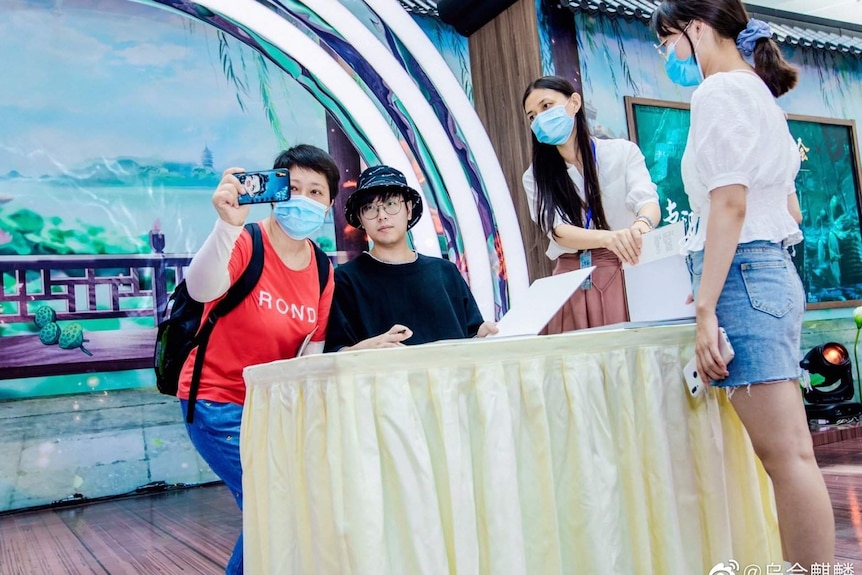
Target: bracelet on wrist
x,y
645,220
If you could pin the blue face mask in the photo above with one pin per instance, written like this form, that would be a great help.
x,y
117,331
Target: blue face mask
x,y
553,126
299,216
683,72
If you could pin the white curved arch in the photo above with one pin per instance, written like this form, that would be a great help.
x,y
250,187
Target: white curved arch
x,y
300,47
450,170
409,33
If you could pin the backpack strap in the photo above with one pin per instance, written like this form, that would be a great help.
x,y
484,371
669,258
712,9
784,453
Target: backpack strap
x,y
322,266
235,294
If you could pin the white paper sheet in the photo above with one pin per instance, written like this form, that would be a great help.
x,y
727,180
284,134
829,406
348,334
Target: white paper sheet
x,y
305,342
660,243
658,286
544,298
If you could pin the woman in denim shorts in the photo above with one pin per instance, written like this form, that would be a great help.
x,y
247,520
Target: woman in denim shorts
x,y
739,168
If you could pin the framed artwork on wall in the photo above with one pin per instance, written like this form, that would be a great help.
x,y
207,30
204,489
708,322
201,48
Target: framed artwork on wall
x,y
660,129
829,260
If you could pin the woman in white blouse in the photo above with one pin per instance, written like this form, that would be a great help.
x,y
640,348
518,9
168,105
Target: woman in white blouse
x,y
739,169
593,198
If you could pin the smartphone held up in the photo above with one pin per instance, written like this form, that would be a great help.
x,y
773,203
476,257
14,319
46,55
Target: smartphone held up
x,y
693,382
264,187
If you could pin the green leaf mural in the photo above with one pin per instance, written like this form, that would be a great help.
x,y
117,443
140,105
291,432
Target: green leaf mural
x,y
31,234
266,99
239,83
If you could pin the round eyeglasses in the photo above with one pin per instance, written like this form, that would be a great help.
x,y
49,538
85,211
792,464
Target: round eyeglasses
x,y
665,47
391,206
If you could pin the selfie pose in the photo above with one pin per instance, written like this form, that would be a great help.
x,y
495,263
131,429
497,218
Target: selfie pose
x,y
739,168
391,295
286,305
593,198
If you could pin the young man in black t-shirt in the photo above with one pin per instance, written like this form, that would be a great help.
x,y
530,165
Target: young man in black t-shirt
x,y
391,295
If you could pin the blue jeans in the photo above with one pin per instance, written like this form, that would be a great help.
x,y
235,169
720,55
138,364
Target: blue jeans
x,y
215,434
761,308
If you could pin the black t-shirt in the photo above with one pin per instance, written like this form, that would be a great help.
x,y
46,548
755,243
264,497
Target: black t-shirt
x,y
429,296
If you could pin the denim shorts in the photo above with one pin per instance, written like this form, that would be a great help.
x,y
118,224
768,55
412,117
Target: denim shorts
x,y
761,309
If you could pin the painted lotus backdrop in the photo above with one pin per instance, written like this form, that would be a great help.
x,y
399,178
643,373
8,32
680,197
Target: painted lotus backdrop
x,y
618,59
112,141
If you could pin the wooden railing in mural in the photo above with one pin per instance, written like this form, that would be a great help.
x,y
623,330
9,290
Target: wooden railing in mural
x,y
87,288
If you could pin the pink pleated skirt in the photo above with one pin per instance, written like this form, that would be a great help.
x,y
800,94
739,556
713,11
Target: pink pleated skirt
x,y
603,304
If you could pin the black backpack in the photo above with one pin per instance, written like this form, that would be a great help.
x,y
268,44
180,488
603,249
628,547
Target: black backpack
x,y
181,330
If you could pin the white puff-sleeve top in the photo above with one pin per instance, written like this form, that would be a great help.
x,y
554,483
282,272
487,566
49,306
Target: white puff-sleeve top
x,y
739,135
624,181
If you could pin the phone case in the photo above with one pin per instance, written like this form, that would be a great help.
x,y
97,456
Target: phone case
x,y
264,187
693,382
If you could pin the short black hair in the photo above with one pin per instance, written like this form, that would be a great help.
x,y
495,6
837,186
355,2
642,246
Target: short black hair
x,y
311,158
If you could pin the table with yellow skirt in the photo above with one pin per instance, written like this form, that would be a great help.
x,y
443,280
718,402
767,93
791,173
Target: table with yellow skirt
x,y
578,453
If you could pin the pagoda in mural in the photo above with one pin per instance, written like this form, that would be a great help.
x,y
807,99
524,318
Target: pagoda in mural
x,y
207,158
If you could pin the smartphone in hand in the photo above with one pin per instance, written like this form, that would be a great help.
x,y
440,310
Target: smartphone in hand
x,y
693,382
264,187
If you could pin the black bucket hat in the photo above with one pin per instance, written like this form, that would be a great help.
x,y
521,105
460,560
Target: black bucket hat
x,y
376,181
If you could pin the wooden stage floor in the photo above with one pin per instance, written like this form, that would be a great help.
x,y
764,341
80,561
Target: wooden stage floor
x,y
191,531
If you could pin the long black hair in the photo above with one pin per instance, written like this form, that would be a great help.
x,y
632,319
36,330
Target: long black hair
x,y
728,18
555,190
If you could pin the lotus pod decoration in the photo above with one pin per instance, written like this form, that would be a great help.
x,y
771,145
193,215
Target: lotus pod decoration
x,y
44,315
72,337
49,334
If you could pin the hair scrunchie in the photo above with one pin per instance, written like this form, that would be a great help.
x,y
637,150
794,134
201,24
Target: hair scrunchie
x,y
754,31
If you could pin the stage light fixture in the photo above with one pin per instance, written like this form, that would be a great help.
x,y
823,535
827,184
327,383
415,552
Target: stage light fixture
x,y
831,384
